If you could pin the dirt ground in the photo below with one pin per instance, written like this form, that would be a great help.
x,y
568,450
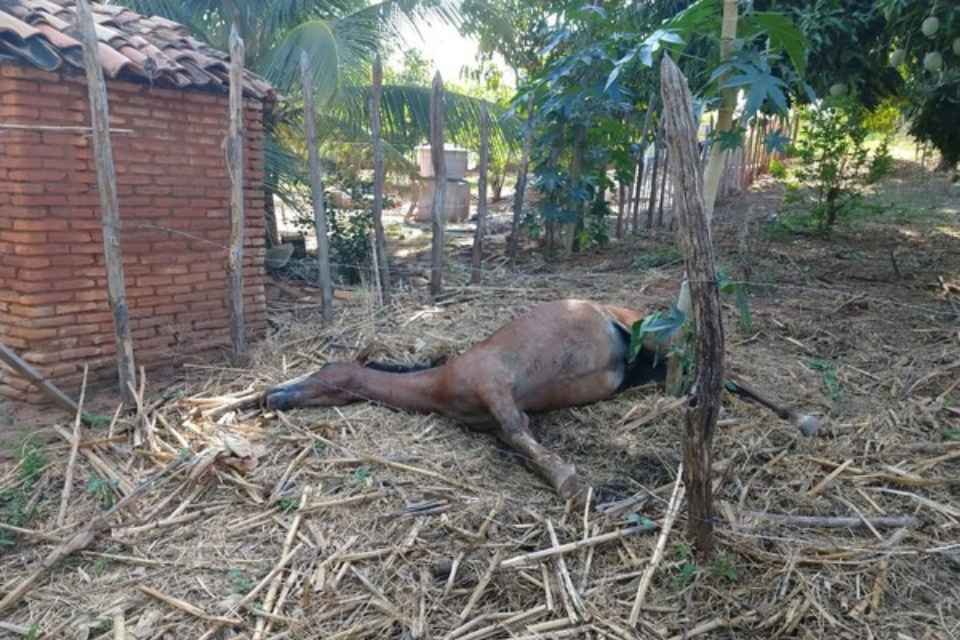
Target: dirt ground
x,y
363,522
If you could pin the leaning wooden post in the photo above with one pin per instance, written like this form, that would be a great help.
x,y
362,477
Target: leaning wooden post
x,y
316,188
439,213
238,337
379,178
109,203
477,257
694,233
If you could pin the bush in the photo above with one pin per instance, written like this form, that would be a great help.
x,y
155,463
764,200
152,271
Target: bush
x,y
836,162
350,242
777,170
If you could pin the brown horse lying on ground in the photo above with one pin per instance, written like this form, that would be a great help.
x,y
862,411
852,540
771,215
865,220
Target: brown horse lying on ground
x,y
559,355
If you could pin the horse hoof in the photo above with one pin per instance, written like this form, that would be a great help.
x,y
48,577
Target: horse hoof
x,y
573,487
278,400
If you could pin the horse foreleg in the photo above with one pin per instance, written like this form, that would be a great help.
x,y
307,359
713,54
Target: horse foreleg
x,y
515,432
808,424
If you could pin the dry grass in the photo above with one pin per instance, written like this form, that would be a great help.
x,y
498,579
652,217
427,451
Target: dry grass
x,y
371,507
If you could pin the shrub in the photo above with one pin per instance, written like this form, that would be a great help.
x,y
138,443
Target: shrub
x,y
777,170
836,162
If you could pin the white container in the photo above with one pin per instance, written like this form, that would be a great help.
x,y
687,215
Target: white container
x,y
456,162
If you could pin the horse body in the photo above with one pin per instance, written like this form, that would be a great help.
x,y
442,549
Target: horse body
x,y
558,355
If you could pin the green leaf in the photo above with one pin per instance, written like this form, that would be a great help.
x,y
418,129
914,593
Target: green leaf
x,y
725,284
760,86
638,520
730,140
783,34
776,141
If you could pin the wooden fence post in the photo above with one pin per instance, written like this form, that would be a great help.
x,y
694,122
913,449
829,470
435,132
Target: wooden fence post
x,y
439,213
521,189
109,203
641,163
657,161
477,258
379,180
703,407
316,188
235,160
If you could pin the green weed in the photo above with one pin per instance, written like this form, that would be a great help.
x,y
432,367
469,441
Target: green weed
x,y
722,567
239,583
102,490
13,502
828,377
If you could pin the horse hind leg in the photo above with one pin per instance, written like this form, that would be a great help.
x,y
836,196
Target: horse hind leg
x,y
514,430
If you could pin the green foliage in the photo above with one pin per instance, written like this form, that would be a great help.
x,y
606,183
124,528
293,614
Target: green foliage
x,y
742,299
723,567
240,583
287,504
661,256
828,377
350,242
687,571
362,475
102,490
14,502
662,326
835,161
951,435
414,70
637,520
777,169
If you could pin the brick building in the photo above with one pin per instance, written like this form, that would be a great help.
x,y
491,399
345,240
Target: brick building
x,y
168,97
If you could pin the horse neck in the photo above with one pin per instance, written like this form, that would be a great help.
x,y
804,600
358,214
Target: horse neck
x,y
419,391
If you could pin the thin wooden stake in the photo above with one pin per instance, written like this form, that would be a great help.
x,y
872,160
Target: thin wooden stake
x,y
235,155
379,179
673,508
694,234
316,188
74,450
477,257
109,203
521,188
439,214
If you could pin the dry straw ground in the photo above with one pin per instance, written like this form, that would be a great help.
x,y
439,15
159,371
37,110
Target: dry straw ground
x,y
362,522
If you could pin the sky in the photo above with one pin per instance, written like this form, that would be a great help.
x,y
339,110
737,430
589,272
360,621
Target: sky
x,y
444,46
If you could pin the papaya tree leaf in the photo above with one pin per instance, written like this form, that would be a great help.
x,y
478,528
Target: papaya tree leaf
x,y
776,141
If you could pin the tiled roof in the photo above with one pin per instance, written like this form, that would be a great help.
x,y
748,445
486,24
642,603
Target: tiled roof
x,y
43,34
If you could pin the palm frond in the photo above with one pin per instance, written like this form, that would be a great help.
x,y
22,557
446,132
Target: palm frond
x,y
317,39
405,115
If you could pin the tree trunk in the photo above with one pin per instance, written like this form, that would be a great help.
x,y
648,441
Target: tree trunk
x,y
634,191
439,213
694,233
569,230
641,162
728,97
521,188
475,275
663,186
379,179
657,151
621,207
109,203
316,189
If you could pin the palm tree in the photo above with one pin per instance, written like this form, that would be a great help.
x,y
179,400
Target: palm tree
x,y
341,37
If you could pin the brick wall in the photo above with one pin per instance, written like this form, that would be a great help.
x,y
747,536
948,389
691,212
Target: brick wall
x,y
174,195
